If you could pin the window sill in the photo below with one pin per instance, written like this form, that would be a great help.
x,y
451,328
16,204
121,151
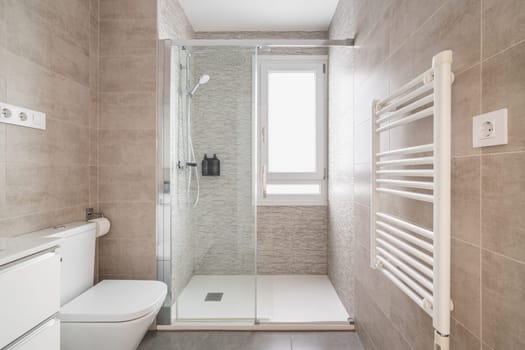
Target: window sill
x,y
292,203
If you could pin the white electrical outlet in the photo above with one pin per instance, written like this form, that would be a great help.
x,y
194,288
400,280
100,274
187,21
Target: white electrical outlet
x,y
490,129
20,116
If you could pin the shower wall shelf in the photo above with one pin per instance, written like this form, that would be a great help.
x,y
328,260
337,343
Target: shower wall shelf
x,y
416,259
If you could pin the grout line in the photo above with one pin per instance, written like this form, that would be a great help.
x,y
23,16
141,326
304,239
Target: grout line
x,y
418,29
391,54
503,256
464,156
502,153
369,337
511,46
465,327
466,242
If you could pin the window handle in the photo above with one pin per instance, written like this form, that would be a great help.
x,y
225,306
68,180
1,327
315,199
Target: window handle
x,y
264,182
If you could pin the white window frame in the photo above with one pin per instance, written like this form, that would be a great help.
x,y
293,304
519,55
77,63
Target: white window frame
x,y
315,63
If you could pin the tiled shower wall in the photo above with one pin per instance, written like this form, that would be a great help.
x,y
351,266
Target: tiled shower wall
x,y
223,222
48,62
290,240
396,40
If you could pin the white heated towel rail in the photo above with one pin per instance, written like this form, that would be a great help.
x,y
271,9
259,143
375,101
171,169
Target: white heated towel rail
x,y
416,259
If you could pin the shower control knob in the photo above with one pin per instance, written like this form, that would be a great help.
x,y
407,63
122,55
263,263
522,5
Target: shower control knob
x,y
6,113
22,116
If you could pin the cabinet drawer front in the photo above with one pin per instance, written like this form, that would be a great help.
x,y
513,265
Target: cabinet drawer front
x,y
45,337
29,294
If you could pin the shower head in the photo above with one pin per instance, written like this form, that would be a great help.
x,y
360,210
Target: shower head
x,y
204,79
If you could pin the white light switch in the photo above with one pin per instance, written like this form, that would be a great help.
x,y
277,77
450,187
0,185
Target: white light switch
x,y
490,129
20,116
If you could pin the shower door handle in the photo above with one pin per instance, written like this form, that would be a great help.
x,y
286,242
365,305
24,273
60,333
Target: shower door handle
x,y
264,181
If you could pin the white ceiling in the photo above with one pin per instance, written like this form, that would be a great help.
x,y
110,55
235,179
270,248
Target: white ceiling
x,y
259,15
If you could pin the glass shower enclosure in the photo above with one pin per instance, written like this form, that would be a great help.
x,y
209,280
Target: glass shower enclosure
x,y
206,230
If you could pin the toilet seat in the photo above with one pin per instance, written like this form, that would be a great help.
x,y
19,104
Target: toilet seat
x,y
115,301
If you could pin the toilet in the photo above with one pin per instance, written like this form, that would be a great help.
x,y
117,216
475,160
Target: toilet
x,y
111,315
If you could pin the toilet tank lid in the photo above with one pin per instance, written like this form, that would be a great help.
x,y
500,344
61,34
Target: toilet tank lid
x,y
115,301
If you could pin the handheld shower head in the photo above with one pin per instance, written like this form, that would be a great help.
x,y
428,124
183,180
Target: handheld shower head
x,y
204,79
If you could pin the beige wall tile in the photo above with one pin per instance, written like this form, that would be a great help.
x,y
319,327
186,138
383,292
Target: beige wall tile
x,y
45,178
502,220
361,221
406,17
409,319
3,203
128,74
417,30
129,220
462,339
128,258
72,101
362,184
128,9
503,24
29,31
93,187
372,281
466,103
456,27
466,279
367,14
28,188
3,136
122,147
29,85
72,21
128,37
70,60
375,52
3,31
466,199
382,332
126,183
503,302
128,110
504,87
13,226
74,145
3,73
32,145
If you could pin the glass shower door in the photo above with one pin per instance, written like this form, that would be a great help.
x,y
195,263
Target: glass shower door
x,y
213,210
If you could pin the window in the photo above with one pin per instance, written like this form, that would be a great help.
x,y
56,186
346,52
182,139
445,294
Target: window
x,y
292,129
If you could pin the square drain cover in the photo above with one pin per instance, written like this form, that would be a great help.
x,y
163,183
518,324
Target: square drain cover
x,y
213,297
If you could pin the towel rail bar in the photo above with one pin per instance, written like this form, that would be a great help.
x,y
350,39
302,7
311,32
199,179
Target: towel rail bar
x,y
416,259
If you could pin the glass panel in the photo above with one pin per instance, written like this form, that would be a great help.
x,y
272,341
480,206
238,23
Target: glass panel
x,y
292,122
213,217
294,189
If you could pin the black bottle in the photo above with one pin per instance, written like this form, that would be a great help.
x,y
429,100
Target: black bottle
x,y
214,166
204,166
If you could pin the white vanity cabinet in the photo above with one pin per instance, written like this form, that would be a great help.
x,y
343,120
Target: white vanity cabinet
x,y
30,301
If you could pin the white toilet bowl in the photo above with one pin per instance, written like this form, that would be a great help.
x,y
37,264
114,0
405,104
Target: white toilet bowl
x,y
112,315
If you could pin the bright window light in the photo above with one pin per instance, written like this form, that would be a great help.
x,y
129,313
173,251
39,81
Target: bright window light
x,y
292,122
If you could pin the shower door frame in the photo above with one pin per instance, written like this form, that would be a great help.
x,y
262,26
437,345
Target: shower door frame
x,y
164,94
